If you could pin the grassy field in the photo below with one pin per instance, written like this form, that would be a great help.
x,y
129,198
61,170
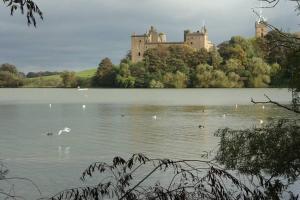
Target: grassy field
x,y
86,73
55,80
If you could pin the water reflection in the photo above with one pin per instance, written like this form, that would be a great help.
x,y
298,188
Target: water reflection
x,y
64,152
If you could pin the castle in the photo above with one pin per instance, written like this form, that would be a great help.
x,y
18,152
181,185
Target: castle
x,y
196,40
153,39
261,28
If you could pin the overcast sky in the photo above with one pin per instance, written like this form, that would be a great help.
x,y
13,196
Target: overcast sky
x,y
77,34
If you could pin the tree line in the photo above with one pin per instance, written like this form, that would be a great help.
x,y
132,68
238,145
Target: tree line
x,y
236,63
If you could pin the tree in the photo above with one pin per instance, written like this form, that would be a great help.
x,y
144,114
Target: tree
x,y
156,84
233,65
260,73
9,76
8,79
175,80
269,154
155,59
105,74
139,72
215,59
206,76
198,57
69,79
28,6
8,67
203,76
124,78
188,179
176,64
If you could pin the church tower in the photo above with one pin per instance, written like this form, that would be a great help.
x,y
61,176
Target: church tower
x,y
261,28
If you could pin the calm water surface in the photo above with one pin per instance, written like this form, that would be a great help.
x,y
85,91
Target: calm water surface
x,y
117,122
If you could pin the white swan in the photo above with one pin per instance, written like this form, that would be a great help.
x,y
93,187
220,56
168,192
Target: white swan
x,y
65,130
154,117
82,89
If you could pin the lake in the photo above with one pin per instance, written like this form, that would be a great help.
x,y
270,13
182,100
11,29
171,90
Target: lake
x,y
162,123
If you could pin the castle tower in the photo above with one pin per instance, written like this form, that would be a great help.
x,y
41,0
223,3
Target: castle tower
x,y
261,28
138,47
153,39
139,43
197,40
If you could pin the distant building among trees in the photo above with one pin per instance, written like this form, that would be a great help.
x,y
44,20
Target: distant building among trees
x,y
154,39
261,28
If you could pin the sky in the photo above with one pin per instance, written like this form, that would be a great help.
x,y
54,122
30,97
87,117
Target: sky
x,y
77,34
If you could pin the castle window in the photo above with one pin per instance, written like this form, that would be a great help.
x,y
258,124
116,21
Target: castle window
x,y
140,41
191,42
262,34
139,53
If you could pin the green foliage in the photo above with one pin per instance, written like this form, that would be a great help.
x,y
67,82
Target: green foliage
x,y
8,79
43,81
206,77
155,59
68,79
156,84
175,64
271,149
294,61
238,48
105,74
214,58
234,65
238,62
270,152
260,72
139,72
9,76
9,68
175,80
124,78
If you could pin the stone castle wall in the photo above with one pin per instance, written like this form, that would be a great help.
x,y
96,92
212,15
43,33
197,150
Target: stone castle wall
x,y
153,39
196,40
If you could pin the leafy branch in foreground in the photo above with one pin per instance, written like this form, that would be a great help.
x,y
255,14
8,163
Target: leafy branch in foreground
x,y
28,6
140,177
270,153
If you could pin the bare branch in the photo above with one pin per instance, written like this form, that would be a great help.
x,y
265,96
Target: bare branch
x,y
275,103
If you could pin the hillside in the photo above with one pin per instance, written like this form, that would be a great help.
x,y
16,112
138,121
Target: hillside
x,y
55,80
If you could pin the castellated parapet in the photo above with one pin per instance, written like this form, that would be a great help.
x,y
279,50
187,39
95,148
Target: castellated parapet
x,y
153,39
